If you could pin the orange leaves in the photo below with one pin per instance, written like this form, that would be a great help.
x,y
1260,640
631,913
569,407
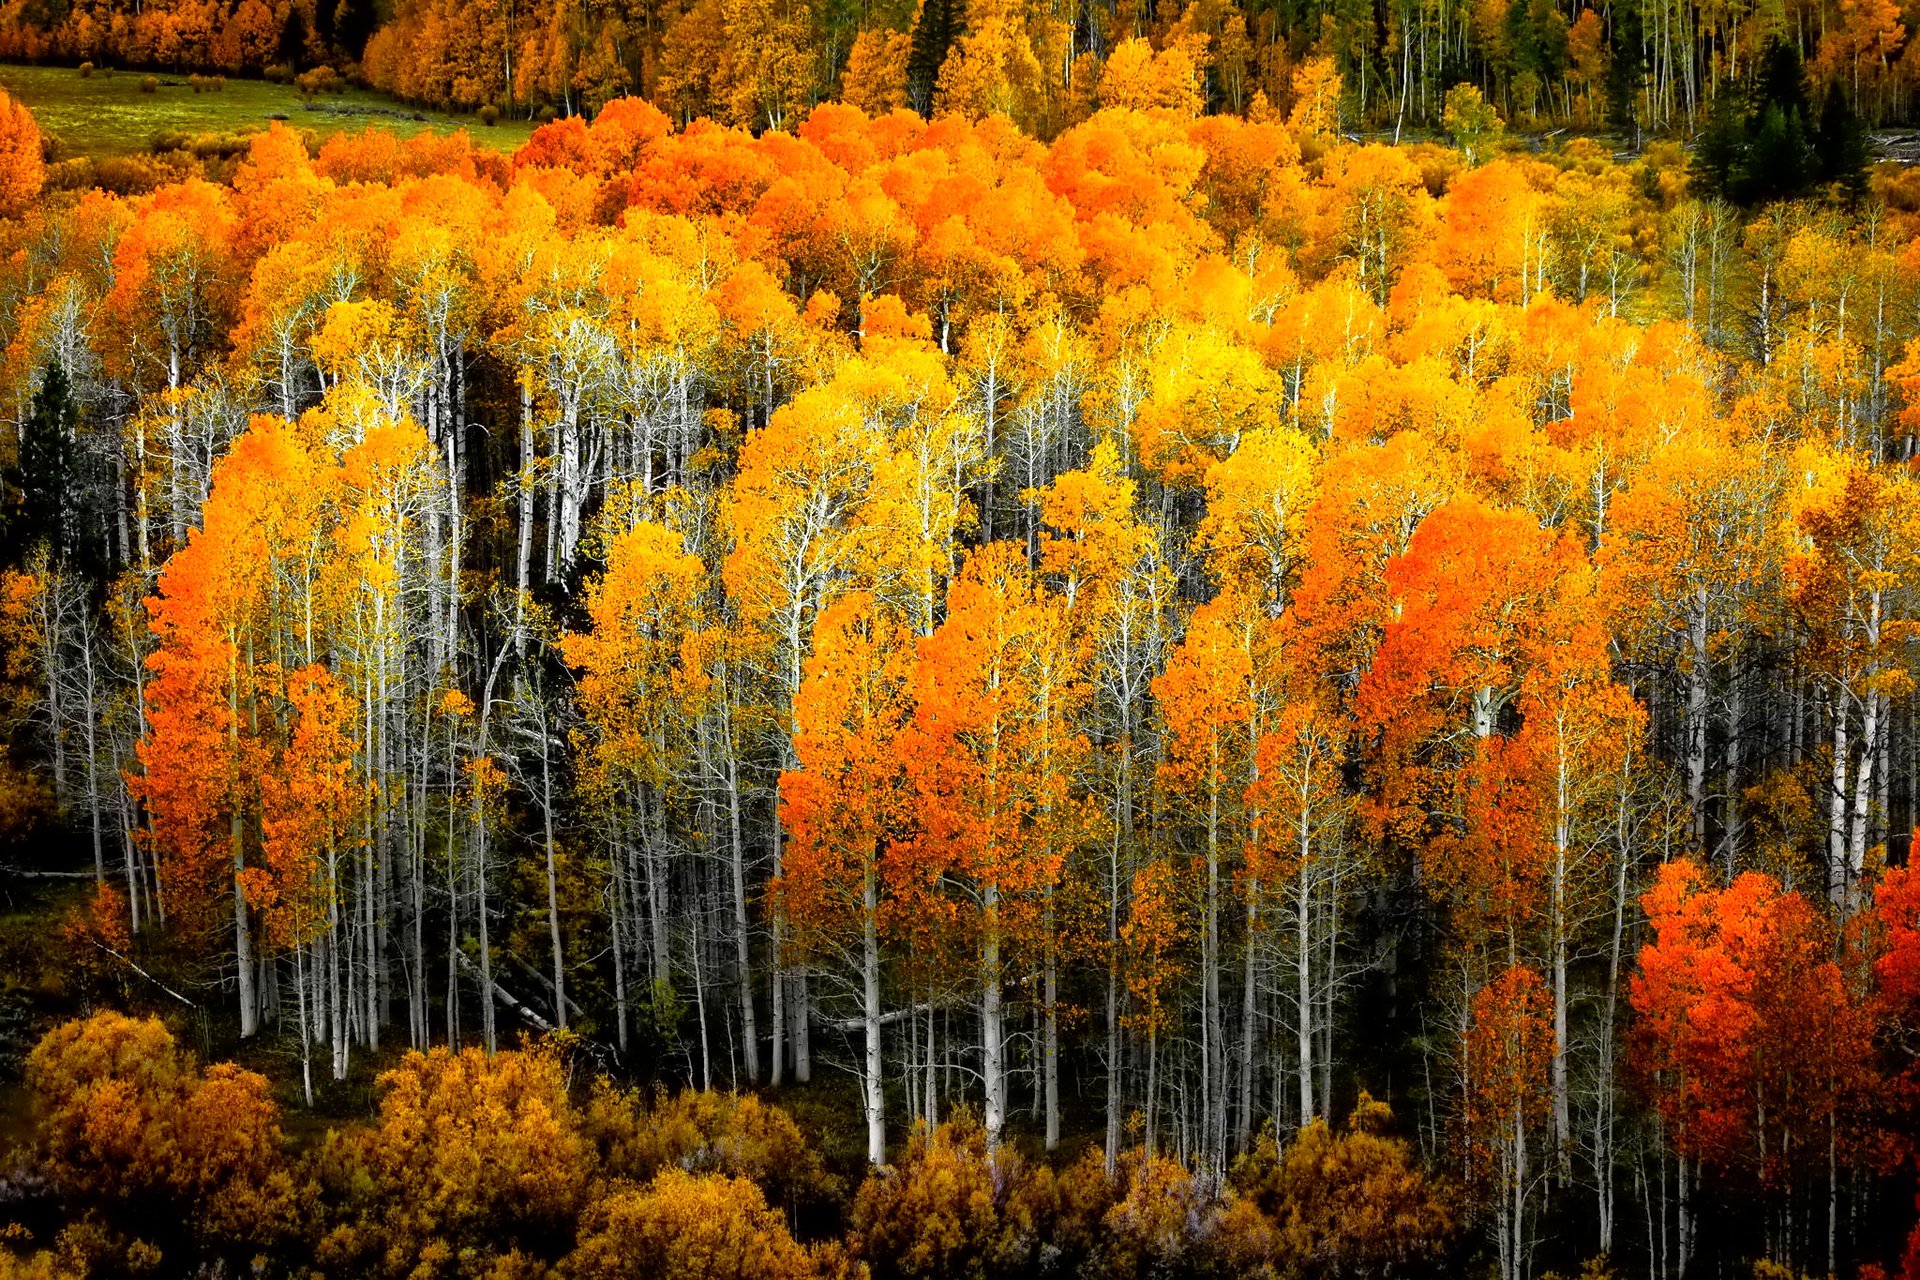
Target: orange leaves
x,y
1153,937
1493,240
1477,589
1208,396
1690,537
1855,549
307,804
22,171
1750,1033
1138,77
1896,912
1209,699
1491,870
994,747
251,726
1257,499
633,682
1371,500
1296,796
168,279
129,1124
1508,1048
683,1226
465,1148
1093,541
845,806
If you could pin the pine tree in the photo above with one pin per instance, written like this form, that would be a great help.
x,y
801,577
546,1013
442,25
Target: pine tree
x,y
1840,146
1719,147
1777,162
47,465
940,23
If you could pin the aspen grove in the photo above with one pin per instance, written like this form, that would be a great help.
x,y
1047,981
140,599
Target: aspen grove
x,y
1184,659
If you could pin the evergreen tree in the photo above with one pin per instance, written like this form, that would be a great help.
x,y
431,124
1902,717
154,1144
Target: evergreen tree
x,y
1841,148
1719,146
1767,146
293,37
47,466
1777,162
1626,69
939,25
1782,82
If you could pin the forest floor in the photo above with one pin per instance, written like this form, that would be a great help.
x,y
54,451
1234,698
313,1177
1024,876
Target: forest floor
x,y
105,114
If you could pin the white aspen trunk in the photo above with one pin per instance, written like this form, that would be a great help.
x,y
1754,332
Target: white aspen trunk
x,y
306,1030
1696,729
743,951
96,802
1863,783
992,1030
1122,830
553,882
802,1027
453,905
335,1010
488,1030
1730,789
1557,931
1249,1010
653,848
873,1098
570,487
1837,866
1603,1113
617,931
1050,1034
242,943
1210,1029
524,557
700,1007
1303,985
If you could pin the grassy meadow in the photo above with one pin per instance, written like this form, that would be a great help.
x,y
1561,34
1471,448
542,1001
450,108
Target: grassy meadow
x,y
105,114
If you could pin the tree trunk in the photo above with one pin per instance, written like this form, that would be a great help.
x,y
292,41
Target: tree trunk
x,y
873,1099
992,1030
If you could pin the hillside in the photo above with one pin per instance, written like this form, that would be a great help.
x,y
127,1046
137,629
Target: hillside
x,y
1175,695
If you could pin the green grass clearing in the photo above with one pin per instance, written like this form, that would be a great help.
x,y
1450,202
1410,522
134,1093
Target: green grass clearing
x,y
107,115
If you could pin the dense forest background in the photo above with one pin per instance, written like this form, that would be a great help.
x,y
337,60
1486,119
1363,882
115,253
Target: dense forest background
x,y
1119,684
1637,65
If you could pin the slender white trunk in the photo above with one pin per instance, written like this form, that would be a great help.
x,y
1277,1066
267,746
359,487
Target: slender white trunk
x,y
992,1030
873,1098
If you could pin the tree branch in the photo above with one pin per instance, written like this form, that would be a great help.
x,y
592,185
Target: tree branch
x,y
143,973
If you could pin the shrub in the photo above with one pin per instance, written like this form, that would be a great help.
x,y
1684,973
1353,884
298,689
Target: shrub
x,y
319,80
935,1213
489,115
280,73
133,1131
684,1227
86,69
218,146
1356,1203
472,1153
150,84
134,174
68,175
735,1135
